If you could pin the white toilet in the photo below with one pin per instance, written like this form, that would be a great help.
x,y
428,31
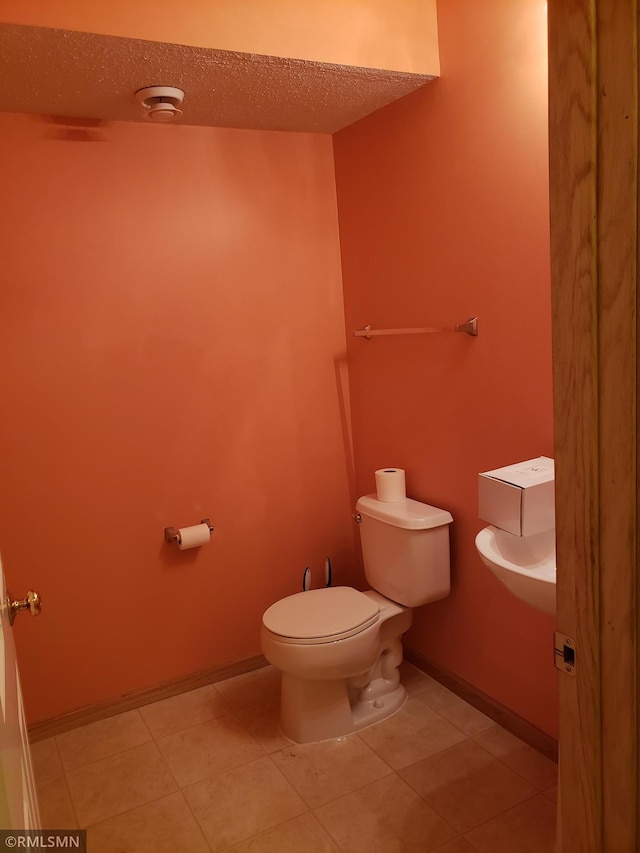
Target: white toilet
x,y
339,649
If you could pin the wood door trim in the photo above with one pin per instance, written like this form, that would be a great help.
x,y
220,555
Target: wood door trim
x,y
616,268
593,175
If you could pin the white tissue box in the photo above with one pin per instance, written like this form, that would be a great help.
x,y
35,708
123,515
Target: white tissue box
x,y
519,498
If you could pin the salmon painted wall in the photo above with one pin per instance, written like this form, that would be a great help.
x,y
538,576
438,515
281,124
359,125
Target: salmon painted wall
x,y
394,34
443,209
171,347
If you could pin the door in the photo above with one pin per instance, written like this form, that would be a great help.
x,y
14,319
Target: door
x,y
18,803
593,87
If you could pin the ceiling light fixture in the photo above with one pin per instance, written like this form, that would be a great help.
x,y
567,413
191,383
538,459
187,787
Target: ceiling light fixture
x,y
160,102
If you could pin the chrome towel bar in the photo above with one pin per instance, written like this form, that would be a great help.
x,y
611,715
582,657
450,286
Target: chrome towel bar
x,y
470,328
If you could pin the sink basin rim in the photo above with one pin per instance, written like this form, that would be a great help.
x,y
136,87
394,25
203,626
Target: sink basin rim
x,y
533,582
491,544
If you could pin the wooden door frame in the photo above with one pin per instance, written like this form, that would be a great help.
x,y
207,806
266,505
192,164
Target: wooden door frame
x,y
593,89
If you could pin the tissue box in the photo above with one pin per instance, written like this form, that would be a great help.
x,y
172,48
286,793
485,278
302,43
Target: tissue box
x,y
519,498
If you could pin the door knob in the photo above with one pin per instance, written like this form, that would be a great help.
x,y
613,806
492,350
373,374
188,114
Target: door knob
x,y
30,602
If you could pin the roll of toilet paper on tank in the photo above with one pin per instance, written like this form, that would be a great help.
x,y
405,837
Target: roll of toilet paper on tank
x,y
193,537
390,485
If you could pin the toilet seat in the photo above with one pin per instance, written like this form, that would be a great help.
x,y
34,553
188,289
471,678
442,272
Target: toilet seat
x,y
321,615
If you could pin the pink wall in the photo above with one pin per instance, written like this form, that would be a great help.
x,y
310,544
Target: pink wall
x,y
443,215
171,347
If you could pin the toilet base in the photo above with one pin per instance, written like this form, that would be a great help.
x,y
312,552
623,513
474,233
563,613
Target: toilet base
x,y
371,711
312,711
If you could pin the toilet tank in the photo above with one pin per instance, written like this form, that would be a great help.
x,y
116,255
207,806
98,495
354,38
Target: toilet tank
x,y
405,548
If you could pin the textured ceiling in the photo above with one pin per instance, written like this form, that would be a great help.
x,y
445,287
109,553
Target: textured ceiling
x,y
84,75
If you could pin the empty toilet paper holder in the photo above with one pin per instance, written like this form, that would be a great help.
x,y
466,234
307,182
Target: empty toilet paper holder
x,y
171,534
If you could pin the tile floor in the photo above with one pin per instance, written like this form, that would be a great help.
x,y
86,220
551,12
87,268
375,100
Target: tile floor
x,y
208,771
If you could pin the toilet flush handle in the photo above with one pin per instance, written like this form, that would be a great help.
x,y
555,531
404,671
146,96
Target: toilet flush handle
x,y
357,517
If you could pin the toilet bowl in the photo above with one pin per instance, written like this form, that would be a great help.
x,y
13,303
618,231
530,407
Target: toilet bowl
x,y
339,649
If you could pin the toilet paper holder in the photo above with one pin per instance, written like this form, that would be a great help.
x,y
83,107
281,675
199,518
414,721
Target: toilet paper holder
x,y
171,534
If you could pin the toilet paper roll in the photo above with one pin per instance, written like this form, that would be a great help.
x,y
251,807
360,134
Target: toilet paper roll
x,y
194,536
390,485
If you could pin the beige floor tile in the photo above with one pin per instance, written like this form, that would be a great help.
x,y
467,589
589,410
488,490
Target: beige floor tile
x,y
45,759
239,803
263,723
208,748
184,710
527,828
301,835
121,782
98,740
321,772
467,785
414,680
412,733
213,740
458,845
456,710
56,811
519,756
163,826
256,688
384,816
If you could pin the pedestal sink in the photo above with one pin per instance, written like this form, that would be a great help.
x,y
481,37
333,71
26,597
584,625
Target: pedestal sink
x,y
526,565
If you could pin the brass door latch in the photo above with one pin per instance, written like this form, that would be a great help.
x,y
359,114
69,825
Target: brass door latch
x,y
30,602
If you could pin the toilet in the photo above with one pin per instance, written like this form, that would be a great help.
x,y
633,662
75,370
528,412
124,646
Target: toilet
x,y
339,649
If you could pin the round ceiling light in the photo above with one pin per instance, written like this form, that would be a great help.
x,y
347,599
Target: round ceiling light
x,y
160,102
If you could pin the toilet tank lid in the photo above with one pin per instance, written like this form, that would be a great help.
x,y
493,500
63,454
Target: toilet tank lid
x,y
407,513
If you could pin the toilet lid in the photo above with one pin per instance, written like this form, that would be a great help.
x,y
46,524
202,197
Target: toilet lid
x,y
321,614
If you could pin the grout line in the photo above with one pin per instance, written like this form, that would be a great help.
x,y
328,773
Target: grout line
x,y
132,808
62,778
376,753
108,756
144,723
168,767
192,726
526,747
252,738
464,838
503,811
197,822
71,803
329,832
522,776
311,807
307,810
59,754
500,815
465,737
129,811
223,770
